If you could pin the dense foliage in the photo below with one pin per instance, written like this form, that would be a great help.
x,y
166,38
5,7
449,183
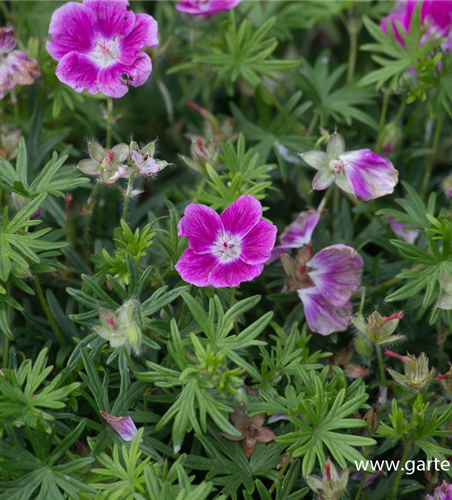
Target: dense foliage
x,y
142,360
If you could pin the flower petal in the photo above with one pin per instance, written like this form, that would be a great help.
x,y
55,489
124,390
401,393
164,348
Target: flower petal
x,y
335,146
111,17
369,174
207,8
124,426
257,245
316,159
277,252
233,273
111,81
321,316
79,72
71,30
201,225
242,215
89,167
299,233
195,268
403,230
265,435
144,34
336,271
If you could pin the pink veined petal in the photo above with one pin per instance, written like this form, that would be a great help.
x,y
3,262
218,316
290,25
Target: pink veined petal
x,y
257,245
79,72
208,8
336,271
370,175
403,230
242,215
201,225
321,316
8,41
440,11
111,17
144,34
277,252
71,30
195,268
299,233
140,71
233,273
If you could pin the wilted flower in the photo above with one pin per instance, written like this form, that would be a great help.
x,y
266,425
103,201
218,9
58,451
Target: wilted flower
x,y
331,486
297,234
325,285
445,301
16,68
9,142
124,426
205,8
251,429
225,251
379,329
119,328
98,45
417,373
108,164
372,420
404,230
143,160
342,359
363,173
442,492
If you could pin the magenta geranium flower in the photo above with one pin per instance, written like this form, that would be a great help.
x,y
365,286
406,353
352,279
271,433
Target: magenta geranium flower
x,y
205,8
16,68
226,250
98,45
362,173
325,284
124,426
297,234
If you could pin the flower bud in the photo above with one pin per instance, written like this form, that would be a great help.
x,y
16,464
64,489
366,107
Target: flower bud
x,y
373,421
417,374
364,348
331,486
391,137
124,426
134,336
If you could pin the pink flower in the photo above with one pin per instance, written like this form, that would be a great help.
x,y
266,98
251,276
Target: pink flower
x,y
225,251
404,231
363,173
325,285
205,8
124,426
297,234
437,14
16,68
98,45
443,492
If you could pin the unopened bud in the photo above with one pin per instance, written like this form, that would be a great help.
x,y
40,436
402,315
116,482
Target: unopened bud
x,y
331,486
417,374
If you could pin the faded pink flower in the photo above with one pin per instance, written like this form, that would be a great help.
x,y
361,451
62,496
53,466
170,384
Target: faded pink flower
x,y
16,68
205,8
443,492
124,426
362,173
224,251
325,284
98,45
108,164
403,230
297,234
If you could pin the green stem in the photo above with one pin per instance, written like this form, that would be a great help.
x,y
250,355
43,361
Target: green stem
x,y
400,471
381,365
384,112
5,357
393,281
109,121
313,123
353,27
47,312
363,300
361,485
431,158
87,214
129,360
281,472
128,195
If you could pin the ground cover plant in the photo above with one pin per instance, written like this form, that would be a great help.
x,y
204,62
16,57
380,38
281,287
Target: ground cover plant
x,y
225,250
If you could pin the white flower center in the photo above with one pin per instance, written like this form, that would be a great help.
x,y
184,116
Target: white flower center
x,y
105,52
337,166
227,247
